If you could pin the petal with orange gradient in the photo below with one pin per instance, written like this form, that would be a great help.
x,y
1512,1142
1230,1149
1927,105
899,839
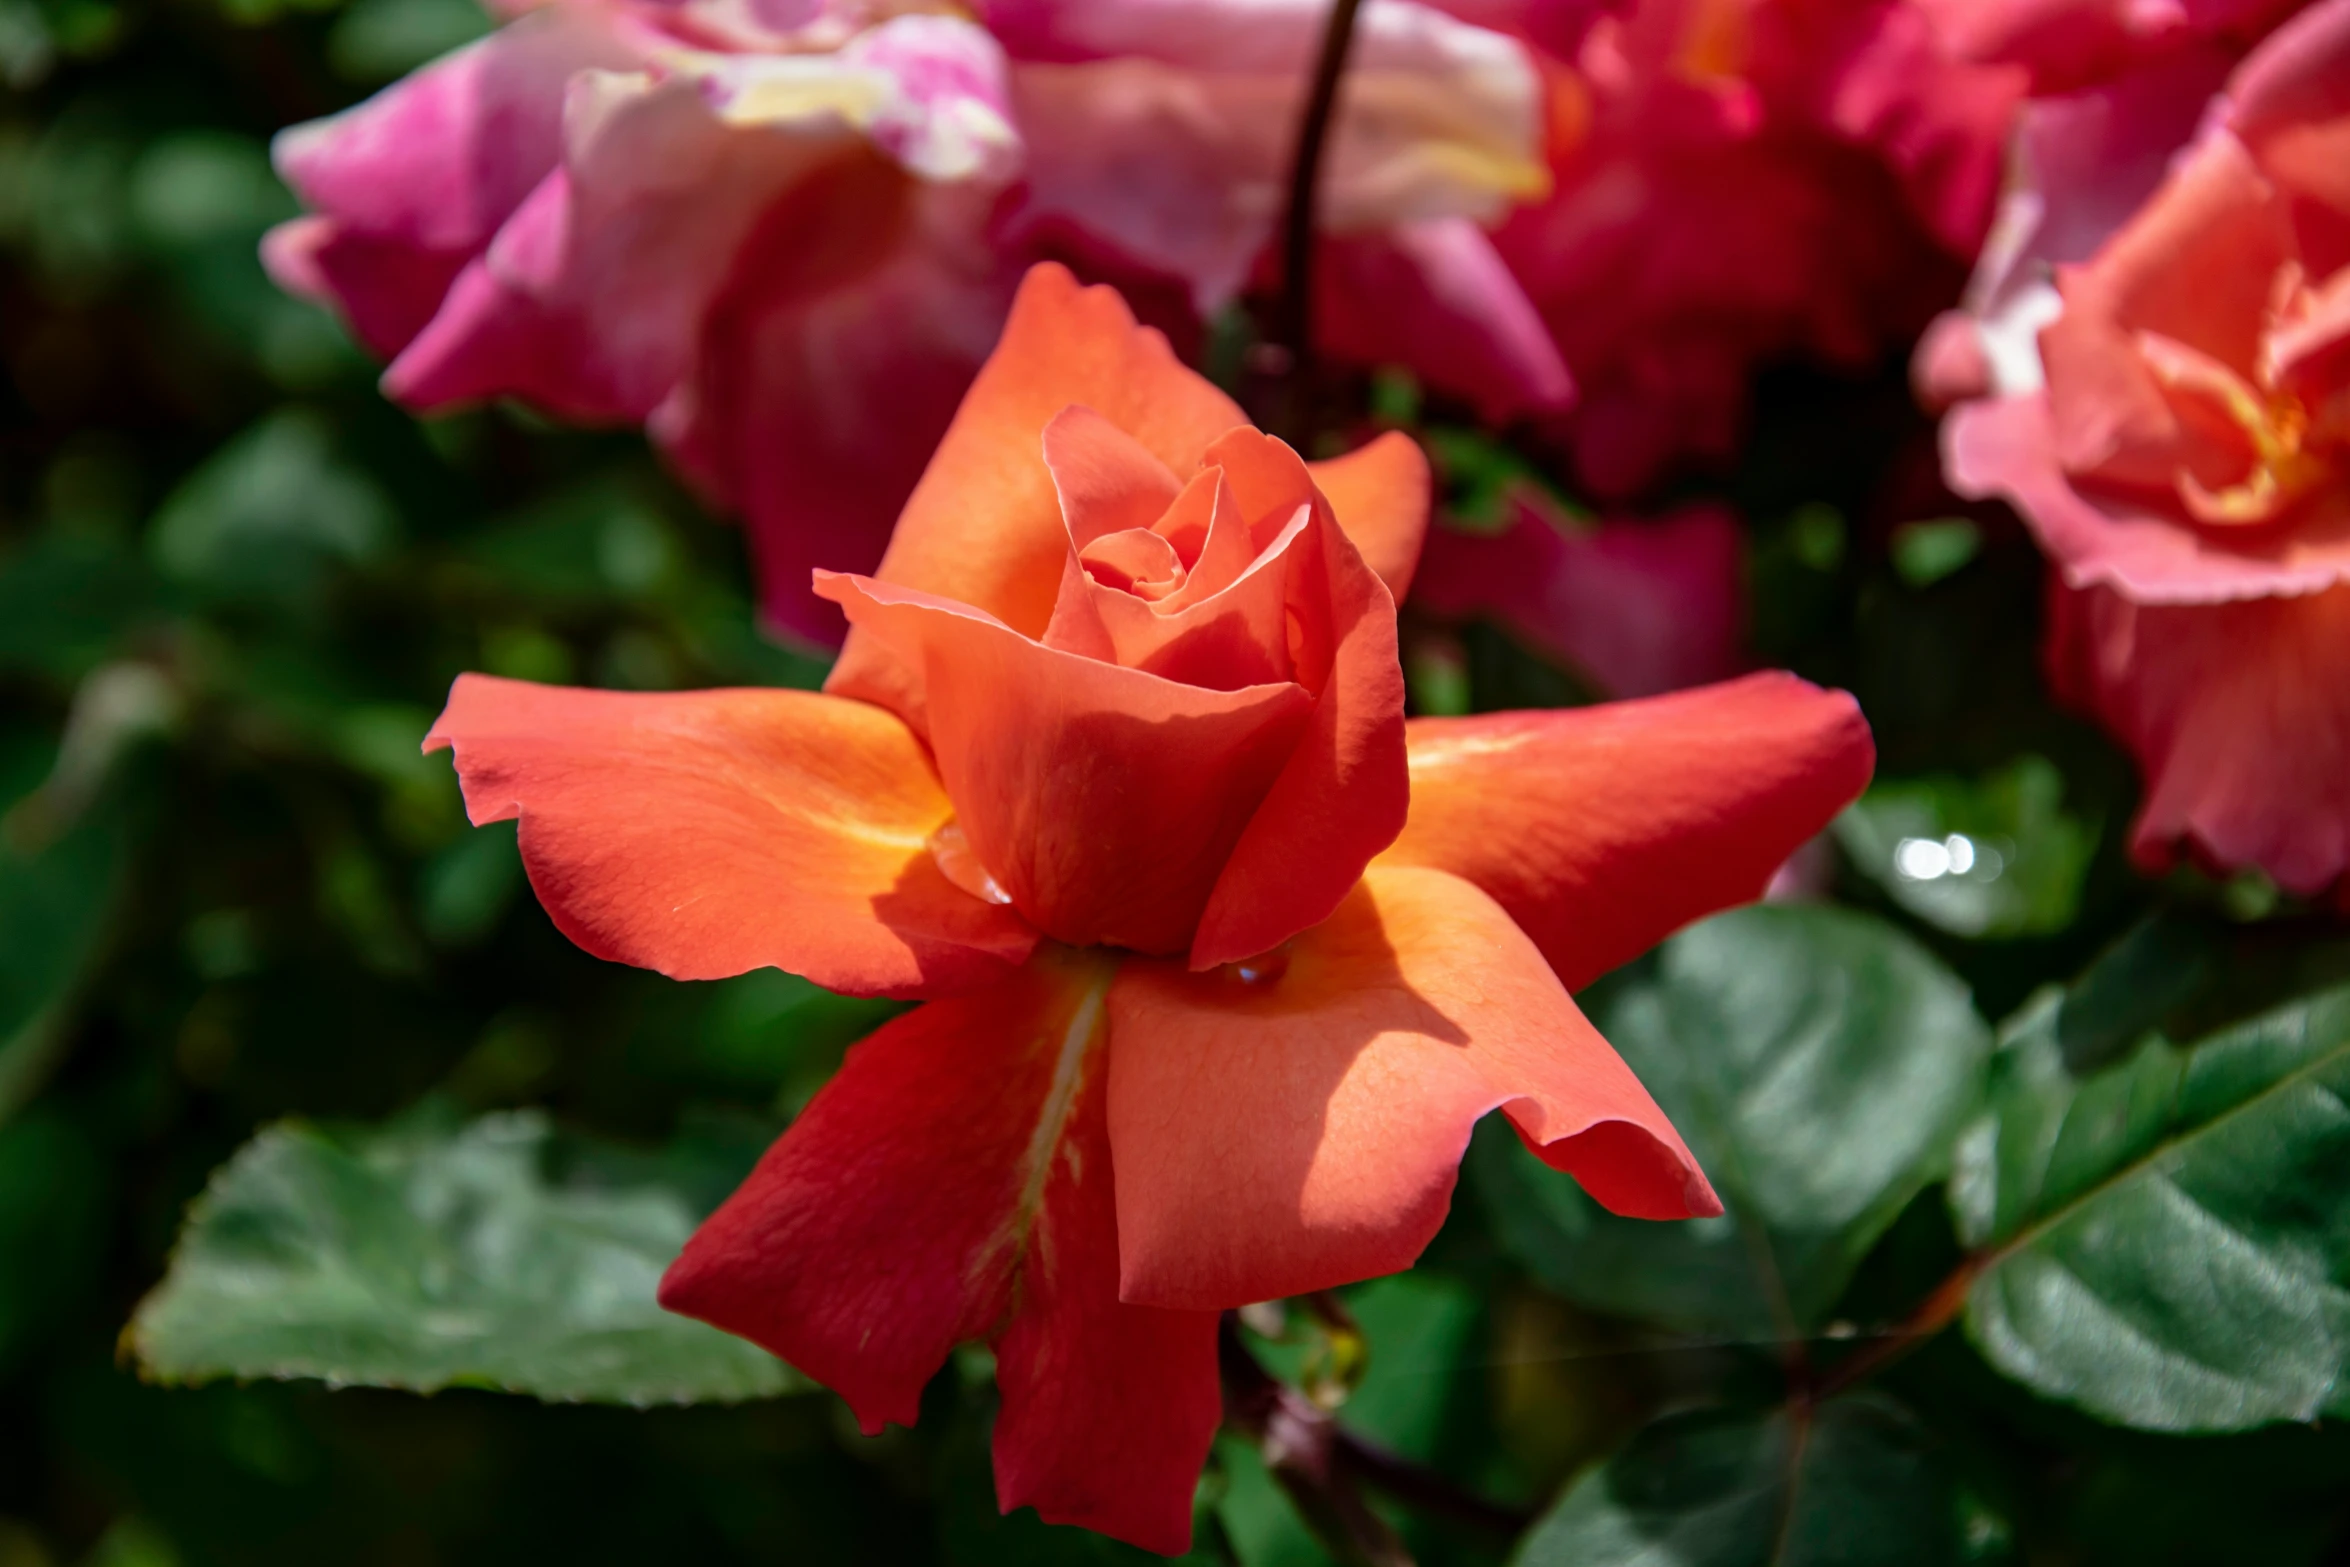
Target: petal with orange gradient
x,y
984,524
1104,801
1343,795
708,833
953,1183
1602,830
1379,493
1304,1128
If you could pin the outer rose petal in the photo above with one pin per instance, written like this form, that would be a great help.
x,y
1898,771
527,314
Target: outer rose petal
x,y
1602,830
1639,608
589,300
954,1182
984,526
707,833
1305,1130
2007,447
2236,712
1103,800
1379,493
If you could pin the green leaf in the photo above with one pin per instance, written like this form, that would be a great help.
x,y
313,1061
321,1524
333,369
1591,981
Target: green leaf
x,y
1818,1062
271,513
1996,857
427,1255
1853,1484
59,885
2168,1239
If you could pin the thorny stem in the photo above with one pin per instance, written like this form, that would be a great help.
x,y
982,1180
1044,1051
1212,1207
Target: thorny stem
x,y
1293,323
1324,1468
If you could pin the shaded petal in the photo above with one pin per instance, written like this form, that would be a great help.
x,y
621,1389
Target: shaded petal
x,y
1103,800
951,1183
1437,298
1380,494
2238,716
2007,447
1305,1130
1343,795
708,833
1602,830
385,289
830,364
1636,607
984,525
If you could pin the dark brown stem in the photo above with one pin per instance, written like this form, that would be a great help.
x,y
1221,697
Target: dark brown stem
x,y
1324,1467
1936,1312
1293,324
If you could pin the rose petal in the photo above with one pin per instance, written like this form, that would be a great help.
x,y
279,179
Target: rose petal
x,y
1602,830
1103,800
984,524
831,362
1343,794
1437,297
2236,713
1305,1130
1380,493
1106,480
589,300
437,161
708,833
2007,447
953,1182
1224,641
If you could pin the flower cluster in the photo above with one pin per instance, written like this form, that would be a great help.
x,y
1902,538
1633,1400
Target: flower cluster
x,y
2155,367
1222,956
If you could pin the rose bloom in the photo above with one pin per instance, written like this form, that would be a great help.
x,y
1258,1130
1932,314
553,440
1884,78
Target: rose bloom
x,y
1226,956
1739,182
784,235
2180,445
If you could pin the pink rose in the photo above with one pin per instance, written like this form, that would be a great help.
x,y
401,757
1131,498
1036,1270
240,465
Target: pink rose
x,y
784,236
2186,464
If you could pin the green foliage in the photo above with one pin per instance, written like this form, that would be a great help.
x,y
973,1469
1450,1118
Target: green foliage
x,y
1853,1483
1996,857
2166,1242
1818,1064
429,1255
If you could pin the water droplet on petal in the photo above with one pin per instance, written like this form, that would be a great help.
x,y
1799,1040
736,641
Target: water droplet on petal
x,y
958,864
1264,969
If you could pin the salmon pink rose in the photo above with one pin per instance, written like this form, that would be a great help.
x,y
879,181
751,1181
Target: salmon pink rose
x,y
2185,462
1226,958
